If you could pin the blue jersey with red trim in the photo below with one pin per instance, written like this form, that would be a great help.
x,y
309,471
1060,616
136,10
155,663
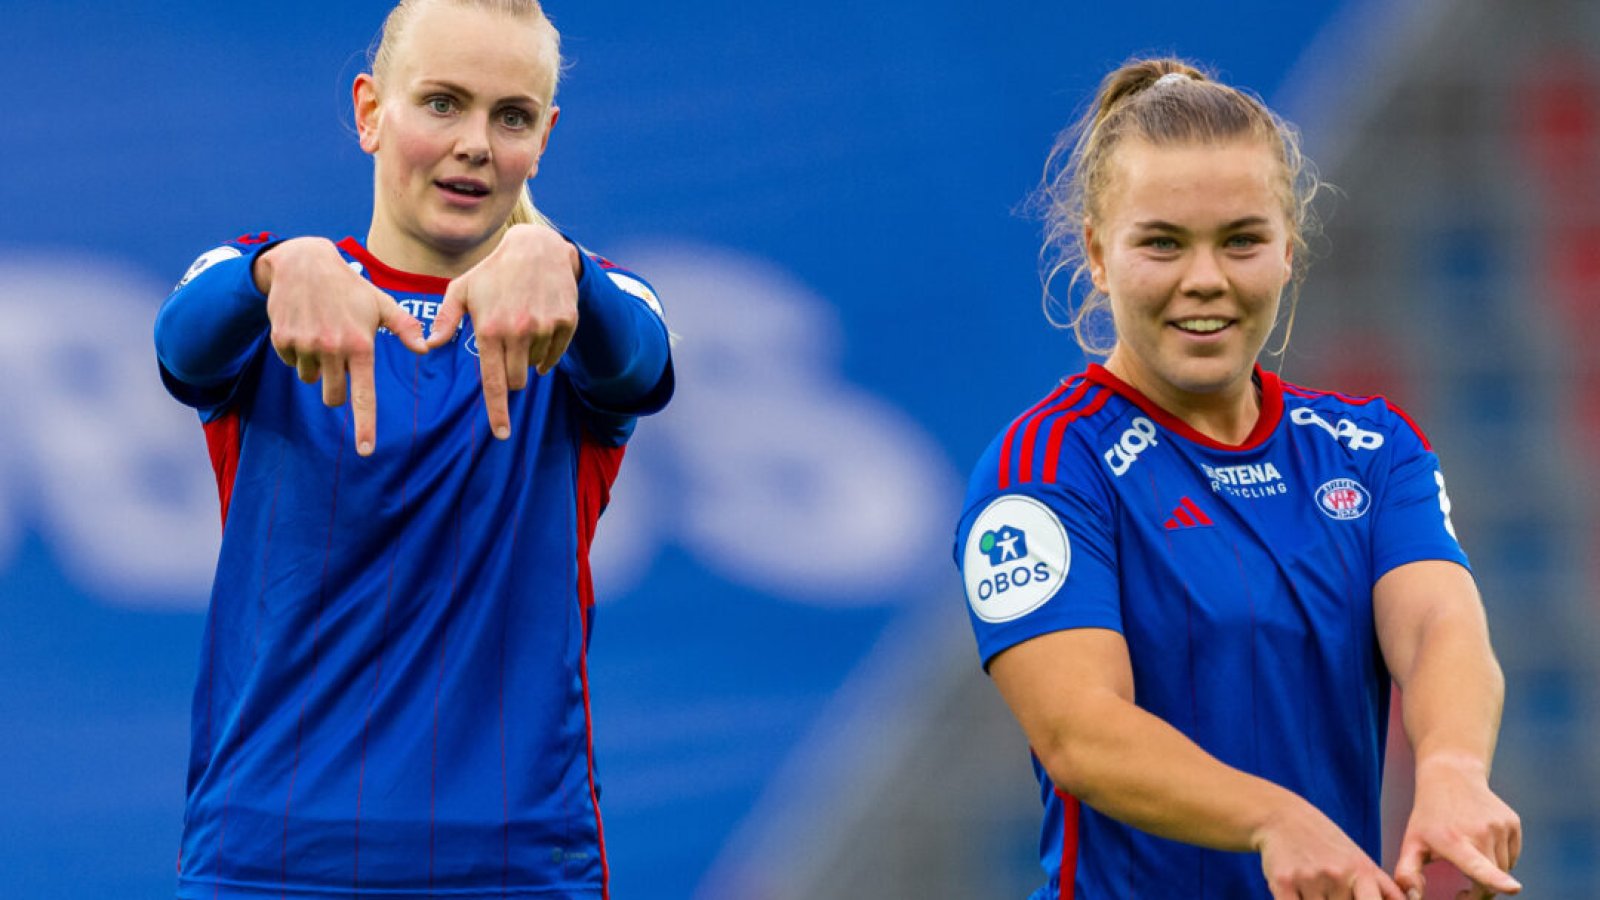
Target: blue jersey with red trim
x,y
1241,578
393,696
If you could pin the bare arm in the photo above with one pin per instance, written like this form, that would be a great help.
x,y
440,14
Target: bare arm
x,y
1073,692
1435,640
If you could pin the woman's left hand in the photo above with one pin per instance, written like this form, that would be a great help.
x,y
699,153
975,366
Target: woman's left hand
x,y
1457,818
523,299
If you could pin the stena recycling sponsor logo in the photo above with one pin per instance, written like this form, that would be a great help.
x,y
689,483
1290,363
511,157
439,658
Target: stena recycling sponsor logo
x,y
1247,481
1343,499
1354,436
1139,437
1017,557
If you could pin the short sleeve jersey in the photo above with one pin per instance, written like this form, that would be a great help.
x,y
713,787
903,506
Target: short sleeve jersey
x,y
393,698
1241,579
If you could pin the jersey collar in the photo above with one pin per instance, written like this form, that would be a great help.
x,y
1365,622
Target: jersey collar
x,y
1266,423
390,278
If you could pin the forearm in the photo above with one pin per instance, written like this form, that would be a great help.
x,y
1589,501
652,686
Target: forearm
x,y
1435,640
208,326
1451,694
620,349
1138,769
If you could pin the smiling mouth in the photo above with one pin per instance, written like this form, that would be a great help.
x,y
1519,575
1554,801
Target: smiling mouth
x,y
1202,326
464,188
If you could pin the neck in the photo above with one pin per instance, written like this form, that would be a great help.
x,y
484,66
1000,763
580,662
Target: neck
x,y
1227,416
408,253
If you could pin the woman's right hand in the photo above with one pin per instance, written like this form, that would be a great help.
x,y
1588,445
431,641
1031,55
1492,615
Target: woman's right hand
x,y
324,321
1305,856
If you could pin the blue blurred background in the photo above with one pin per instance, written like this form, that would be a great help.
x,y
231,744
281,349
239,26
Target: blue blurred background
x,y
826,195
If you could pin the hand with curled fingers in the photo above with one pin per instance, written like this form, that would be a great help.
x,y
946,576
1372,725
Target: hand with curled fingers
x,y
523,299
325,319
1305,856
1457,818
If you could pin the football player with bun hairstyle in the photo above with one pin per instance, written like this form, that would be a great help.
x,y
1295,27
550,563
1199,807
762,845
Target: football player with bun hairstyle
x,y
1193,581
393,698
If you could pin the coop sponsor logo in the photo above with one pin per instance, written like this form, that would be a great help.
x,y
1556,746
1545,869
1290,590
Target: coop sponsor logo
x,y
1354,436
1139,437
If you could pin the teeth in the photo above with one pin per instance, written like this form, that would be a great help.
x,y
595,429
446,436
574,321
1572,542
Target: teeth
x,y
1203,326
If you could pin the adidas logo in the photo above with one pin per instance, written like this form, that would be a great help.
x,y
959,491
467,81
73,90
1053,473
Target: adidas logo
x,y
1187,515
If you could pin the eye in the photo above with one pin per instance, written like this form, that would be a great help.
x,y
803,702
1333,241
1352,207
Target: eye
x,y
440,104
516,118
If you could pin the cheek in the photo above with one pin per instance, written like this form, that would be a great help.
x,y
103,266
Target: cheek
x,y
407,148
1268,279
1136,283
515,159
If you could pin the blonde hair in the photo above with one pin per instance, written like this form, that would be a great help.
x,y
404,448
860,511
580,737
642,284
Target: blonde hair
x,y
381,58
1163,102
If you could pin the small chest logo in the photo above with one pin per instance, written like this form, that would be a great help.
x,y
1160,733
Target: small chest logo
x,y
1343,499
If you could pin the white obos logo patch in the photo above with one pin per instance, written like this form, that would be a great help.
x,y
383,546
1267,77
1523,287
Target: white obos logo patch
x,y
638,289
207,260
1343,498
1016,558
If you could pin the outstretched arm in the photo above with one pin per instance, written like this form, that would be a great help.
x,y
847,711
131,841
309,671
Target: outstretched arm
x,y
537,301
212,322
1435,640
322,318
620,351
1072,691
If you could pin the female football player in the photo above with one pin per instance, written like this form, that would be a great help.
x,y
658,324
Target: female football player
x,y
1192,581
393,696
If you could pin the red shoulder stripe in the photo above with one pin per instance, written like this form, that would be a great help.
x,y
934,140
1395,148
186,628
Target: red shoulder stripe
x,y
1059,430
1011,433
1030,435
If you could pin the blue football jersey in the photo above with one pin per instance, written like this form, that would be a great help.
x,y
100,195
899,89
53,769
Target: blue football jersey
x,y
393,699
1241,578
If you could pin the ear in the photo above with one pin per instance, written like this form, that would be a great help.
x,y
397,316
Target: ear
x,y
1095,255
555,113
364,98
544,139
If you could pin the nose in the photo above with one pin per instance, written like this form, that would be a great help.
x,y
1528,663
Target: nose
x,y
1203,277
472,140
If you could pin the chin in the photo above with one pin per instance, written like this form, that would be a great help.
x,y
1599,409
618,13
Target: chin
x,y
1208,376
459,237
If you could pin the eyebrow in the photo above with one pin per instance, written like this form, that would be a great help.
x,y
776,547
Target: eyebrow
x,y
1236,224
454,88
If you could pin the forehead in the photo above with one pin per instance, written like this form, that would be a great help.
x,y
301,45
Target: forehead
x,y
1200,182
486,51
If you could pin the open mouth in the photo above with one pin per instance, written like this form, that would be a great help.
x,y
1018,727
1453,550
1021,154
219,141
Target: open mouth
x,y
463,187
1202,326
